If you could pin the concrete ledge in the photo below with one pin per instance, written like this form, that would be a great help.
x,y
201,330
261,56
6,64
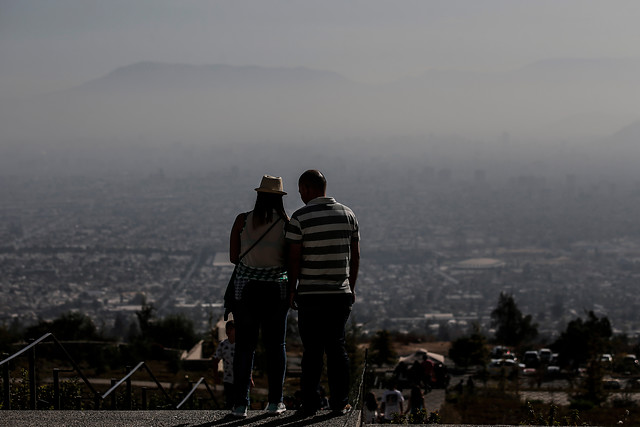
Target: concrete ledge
x,y
168,419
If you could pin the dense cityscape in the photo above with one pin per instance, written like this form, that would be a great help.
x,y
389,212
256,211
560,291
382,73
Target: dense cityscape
x,y
489,151
438,246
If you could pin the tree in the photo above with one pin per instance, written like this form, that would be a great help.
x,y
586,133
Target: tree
x,y
583,340
381,351
512,328
172,331
582,343
470,350
120,327
71,326
6,339
145,316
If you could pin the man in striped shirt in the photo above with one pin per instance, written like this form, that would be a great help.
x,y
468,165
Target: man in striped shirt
x,y
324,256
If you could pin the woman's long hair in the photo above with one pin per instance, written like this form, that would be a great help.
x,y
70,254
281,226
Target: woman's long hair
x,y
266,203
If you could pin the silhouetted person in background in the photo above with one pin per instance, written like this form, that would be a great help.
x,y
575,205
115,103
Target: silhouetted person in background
x,y
416,401
370,412
428,374
471,386
225,352
392,402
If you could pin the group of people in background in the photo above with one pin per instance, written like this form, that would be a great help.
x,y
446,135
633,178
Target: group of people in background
x,y
392,405
307,262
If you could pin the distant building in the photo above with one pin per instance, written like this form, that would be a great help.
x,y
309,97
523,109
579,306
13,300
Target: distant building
x,y
438,317
479,264
221,259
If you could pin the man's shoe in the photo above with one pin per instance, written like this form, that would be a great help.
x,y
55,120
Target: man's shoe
x,y
239,412
276,408
342,411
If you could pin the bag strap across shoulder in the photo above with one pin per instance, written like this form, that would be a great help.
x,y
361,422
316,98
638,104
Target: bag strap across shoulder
x,y
246,214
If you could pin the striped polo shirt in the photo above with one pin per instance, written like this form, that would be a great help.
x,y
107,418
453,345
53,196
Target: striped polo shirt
x,y
325,228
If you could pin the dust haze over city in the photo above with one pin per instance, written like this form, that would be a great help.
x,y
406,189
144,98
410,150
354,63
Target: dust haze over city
x,y
486,147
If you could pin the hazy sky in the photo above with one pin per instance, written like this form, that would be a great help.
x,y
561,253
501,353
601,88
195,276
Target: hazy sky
x,y
50,45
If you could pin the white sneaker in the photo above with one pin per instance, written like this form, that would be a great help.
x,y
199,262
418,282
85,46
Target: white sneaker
x,y
276,408
239,412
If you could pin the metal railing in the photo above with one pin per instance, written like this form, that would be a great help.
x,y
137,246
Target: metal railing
x,y
129,394
361,385
30,351
187,398
115,384
31,356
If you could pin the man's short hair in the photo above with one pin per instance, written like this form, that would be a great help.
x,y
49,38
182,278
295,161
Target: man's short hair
x,y
313,179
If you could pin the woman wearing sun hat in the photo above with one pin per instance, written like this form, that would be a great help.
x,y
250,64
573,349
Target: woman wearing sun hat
x,y
257,247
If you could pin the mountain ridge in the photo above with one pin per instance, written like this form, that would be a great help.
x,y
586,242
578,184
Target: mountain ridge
x,y
248,102
144,73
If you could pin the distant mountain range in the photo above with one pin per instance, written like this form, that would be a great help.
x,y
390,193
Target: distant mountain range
x,y
628,135
560,98
153,76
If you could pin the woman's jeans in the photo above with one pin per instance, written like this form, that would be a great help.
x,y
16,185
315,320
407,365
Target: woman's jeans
x,y
261,308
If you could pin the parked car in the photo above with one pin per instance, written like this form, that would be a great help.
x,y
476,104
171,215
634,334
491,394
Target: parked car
x,y
501,352
630,360
531,359
553,372
545,355
611,384
498,367
606,358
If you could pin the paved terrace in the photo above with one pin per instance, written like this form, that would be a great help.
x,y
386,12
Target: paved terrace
x,y
168,419
189,418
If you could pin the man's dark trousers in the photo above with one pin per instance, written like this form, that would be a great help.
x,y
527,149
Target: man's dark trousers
x,y
321,320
